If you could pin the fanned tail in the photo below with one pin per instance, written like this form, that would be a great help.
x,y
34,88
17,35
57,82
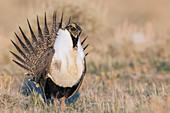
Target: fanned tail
x,y
38,50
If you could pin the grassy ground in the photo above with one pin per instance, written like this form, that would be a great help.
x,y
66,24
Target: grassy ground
x,y
128,68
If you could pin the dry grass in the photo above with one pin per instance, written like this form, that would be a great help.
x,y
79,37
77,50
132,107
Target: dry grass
x,y
128,68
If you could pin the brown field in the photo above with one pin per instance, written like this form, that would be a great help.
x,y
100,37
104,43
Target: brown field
x,y
128,66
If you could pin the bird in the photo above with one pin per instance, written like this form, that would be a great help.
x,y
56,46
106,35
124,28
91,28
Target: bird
x,y
55,61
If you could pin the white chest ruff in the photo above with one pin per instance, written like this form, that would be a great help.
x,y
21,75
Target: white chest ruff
x,y
67,64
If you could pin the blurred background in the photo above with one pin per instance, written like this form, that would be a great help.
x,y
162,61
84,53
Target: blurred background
x,y
129,49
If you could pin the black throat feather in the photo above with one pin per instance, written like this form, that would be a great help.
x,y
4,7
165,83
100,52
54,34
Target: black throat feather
x,y
75,40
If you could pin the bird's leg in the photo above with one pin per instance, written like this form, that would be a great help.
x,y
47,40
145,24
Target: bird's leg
x,y
56,102
62,105
48,102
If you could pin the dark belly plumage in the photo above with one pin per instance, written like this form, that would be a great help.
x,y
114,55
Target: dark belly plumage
x,y
53,90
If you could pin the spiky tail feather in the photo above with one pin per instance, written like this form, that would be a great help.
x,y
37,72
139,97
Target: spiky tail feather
x,y
31,53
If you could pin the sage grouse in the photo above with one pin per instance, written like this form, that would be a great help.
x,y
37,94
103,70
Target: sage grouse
x,y
56,60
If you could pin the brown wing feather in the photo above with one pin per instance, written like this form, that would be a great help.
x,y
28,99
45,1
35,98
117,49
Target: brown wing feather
x,y
22,54
26,40
22,44
40,36
46,33
34,39
21,65
19,58
43,63
53,31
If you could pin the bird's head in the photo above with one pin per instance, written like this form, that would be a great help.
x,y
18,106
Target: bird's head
x,y
75,31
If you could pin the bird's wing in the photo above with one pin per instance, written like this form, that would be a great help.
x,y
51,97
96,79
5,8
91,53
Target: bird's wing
x,y
43,64
35,57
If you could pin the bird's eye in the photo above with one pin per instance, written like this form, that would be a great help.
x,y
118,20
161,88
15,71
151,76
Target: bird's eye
x,y
73,29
